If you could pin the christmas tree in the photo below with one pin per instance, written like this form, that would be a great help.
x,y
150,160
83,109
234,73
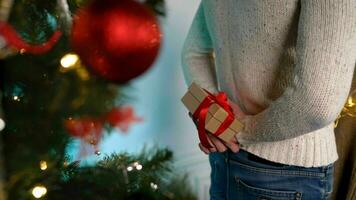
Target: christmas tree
x,y
64,65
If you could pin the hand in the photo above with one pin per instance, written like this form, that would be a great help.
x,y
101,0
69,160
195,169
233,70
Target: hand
x,y
238,113
216,143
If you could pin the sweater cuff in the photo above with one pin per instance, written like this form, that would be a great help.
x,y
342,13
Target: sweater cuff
x,y
246,135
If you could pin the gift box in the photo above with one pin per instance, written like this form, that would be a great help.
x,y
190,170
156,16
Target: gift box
x,y
216,114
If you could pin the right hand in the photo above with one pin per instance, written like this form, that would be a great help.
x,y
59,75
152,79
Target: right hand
x,y
216,143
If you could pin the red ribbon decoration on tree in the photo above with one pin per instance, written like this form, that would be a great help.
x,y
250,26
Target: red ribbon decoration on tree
x,y
14,40
201,112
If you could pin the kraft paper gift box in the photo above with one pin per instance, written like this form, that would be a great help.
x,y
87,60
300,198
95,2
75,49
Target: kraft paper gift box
x,y
215,116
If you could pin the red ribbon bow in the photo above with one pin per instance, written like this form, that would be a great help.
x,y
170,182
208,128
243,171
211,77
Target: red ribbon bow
x,y
201,112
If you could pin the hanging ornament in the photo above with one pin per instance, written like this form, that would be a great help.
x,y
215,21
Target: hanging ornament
x,y
15,41
38,25
5,8
85,128
88,130
122,117
118,40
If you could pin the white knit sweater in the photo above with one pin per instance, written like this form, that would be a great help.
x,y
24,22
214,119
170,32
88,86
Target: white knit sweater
x,y
288,65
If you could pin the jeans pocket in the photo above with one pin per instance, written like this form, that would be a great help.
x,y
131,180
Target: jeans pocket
x,y
246,191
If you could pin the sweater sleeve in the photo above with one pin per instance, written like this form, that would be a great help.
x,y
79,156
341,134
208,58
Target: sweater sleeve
x,y
326,55
196,55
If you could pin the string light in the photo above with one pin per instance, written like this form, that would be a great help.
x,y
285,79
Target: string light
x,y
135,165
39,191
2,124
43,165
22,51
129,168
16,98
98,153
139,167
154,186
69,60
2,120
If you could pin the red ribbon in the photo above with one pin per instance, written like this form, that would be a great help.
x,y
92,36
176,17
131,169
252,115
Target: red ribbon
x,y
13,39
202,110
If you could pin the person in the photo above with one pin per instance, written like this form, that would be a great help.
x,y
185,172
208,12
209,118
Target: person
x,y
287,68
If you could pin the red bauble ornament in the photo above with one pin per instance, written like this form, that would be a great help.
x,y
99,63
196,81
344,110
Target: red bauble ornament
x,y
117,39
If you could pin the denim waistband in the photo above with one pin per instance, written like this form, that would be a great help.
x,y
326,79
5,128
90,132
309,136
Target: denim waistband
x,y
245,156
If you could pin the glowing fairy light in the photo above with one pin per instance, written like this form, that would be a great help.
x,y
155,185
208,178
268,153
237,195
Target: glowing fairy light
x,y
43,165
2,124
129,168
135,165
39,191
138,167
154,186
69,60
16,98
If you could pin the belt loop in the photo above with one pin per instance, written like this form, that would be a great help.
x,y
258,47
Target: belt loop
x,y
330,168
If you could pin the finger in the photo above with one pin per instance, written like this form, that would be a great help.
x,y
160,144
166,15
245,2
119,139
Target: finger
x,y
207,150
212,149
217,143
202,148
234,140
213,146
232,146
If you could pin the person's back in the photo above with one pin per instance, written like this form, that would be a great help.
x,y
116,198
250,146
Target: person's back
x,y
288,65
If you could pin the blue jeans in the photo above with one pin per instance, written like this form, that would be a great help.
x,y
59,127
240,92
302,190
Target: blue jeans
x,y
243,176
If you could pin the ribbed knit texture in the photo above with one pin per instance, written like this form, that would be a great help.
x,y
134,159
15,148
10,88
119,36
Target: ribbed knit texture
x,y
287,64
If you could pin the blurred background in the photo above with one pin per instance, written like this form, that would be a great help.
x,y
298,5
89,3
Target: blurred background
x,y
91,101
90,104
158,94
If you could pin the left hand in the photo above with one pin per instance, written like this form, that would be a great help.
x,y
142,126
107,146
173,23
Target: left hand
x,y
216,143
238,113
